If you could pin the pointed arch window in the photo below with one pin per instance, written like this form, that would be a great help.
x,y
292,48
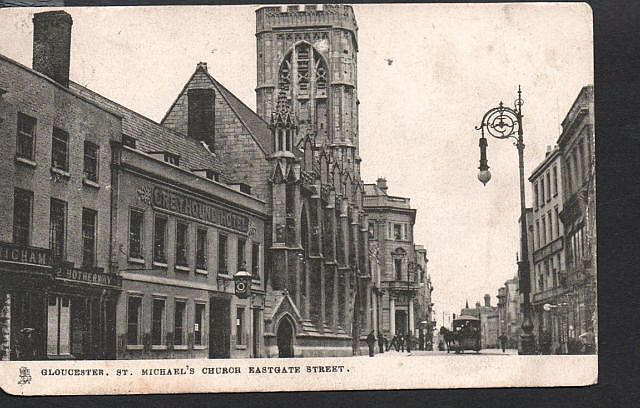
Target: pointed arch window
x,y
321,74
284,77
303,59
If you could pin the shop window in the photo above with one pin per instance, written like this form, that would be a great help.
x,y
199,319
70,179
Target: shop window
x,y
134,320
222,254
198,324
25,136
59,325
201,249
89,218
179,320
255,261
182,230
91,161
240,326
60,150
22,207
158,322
136,231
160,240
57,228
241,249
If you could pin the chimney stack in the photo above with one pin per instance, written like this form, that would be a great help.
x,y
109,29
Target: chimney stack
x,y
487,300
52,45
548,152
201,114
382,184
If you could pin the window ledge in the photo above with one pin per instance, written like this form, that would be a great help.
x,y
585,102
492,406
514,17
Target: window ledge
x,y
199,347
159,347
180,347
90,183
241,347
26,161
182,268
60,172
202,271
255,281
135,347
224,275
159,264
139,261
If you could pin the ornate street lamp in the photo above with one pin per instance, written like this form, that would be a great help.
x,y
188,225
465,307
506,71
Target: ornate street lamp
x,y
503,122
242,279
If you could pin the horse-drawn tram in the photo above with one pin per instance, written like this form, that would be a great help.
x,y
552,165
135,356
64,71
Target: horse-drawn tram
x,y
466,334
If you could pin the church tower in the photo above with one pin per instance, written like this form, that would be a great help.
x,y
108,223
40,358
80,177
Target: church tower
x,y
309,54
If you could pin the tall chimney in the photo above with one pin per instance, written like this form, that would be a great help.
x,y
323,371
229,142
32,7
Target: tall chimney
x,y
382,184
201,111
52,45
487,300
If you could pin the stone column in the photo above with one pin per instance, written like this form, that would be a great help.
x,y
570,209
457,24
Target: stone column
x,y
392,315
373,313
411,322
368,309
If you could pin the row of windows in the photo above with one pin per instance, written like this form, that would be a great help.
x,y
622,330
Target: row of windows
x,y
25,148
547,273
182,232
542,191
159,329
395,231
577,243
577,167
550,228
22,226
160,333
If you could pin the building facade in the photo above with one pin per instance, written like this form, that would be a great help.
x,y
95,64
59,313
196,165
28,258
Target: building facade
x,y
401,278
424,317
548,276
509,312
577,149
489,321
58,289
299,154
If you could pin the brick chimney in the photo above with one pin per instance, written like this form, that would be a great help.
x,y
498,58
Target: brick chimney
x,y
382,184
52,45
548,152
487,300
201,111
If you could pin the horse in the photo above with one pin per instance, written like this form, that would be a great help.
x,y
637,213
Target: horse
x,y
448,337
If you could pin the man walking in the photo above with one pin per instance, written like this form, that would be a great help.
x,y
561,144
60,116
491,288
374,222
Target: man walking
x,y
381,342
371,341
503,342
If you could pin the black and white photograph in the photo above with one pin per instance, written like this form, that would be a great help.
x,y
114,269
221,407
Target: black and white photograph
x,y
297,192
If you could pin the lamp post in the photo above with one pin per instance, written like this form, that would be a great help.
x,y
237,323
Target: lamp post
x,y
503,122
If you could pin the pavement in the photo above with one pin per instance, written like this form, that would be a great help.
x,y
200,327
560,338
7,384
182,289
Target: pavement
x,y
396,354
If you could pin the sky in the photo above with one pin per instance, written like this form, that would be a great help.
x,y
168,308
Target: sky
x,y
451,63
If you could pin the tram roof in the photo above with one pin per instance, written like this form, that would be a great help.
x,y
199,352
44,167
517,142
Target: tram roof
x,y
466,317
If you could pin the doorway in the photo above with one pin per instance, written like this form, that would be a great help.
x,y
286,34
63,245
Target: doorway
x,y
220,328
401,321
285,338
256,333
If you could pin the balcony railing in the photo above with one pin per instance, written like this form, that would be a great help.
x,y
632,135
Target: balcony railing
x,y
547,295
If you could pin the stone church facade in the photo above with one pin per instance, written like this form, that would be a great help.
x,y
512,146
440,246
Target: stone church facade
x,y
298,154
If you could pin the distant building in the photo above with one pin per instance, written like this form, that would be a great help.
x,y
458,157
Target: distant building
x,y
509,312
548,276
489,321
390,225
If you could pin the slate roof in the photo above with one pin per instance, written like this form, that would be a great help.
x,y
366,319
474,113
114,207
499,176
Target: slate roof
x,y
153,137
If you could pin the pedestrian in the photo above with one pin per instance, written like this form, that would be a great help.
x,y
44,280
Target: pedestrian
x,y
386,342
409,340
503,342
380,342
401,341
371,341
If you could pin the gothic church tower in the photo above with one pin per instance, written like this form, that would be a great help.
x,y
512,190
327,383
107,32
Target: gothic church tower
x,y
309,53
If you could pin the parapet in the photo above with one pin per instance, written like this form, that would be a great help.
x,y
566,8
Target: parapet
x,y
307,15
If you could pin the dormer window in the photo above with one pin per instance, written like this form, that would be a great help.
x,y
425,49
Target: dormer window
x,y
172,159
129,141
212,175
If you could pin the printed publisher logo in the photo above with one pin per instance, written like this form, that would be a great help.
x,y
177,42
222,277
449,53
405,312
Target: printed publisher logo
x,y
25,376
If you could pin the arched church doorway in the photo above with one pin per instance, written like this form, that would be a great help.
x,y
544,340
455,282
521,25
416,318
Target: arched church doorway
x,y
284,338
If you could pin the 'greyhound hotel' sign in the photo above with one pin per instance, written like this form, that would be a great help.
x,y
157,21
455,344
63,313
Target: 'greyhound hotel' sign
x,y
178,203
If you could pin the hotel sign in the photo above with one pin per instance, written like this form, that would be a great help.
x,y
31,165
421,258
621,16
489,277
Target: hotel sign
x,y
183,205
88,277
25,255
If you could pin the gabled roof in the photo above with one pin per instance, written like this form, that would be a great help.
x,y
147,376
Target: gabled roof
x,y
153,137
255,125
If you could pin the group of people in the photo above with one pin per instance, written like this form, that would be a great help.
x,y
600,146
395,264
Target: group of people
x,y
400,341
